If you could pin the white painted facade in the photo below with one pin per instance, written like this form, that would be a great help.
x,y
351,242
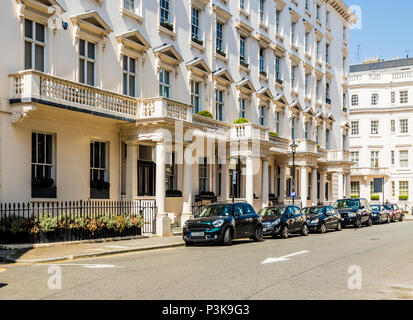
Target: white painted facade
x,y
123,121
385,129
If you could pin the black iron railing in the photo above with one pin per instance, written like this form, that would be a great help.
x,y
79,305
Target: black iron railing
x,y
74,220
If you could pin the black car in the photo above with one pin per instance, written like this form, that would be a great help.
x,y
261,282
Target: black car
x,y
283,221
380,214
354,212
221,223
322,218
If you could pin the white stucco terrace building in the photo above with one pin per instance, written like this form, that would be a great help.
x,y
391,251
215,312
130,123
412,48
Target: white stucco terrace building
x,y
100,98
381,137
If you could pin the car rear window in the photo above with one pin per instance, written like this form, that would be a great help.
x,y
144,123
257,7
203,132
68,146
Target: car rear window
x,y
268,212
347,203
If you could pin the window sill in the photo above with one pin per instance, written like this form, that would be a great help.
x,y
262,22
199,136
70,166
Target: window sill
x,y
308,99
167,32
244,13
197,46
294,92
308,56
221,58
308,13
244,69
278,85
294,47
263,27
279,37
131,14
403,135
375,137
263,78
318,22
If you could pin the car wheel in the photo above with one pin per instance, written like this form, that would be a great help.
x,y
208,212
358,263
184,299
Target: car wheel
x,y
285,232
189,243
393,218
258,236
358,224
304,230
369,222
323,228
338,226
401,218
228,237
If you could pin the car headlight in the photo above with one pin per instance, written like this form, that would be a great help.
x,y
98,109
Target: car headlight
x,y
218,223
277,222
352,214
315,221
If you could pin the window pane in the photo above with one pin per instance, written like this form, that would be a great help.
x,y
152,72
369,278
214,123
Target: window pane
x,y
91,50
28,29
90,73
125,63
34,158
40,32
39,58
91,154
132,65
82,71
40,148
49,149
125,83
27,55
96,155
102,155
132,86
82,51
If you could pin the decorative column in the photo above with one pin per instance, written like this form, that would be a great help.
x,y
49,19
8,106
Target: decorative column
x,y
303,186
224,179
163,222
249,180
283,170
340,186
322,187
131,172
264,184
314,186
187,190
348,186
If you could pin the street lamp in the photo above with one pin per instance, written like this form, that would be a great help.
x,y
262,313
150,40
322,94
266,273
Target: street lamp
x,y
294,147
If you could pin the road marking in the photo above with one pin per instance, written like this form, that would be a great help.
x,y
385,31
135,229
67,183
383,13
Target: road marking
x,y
116,247
90,266
284,258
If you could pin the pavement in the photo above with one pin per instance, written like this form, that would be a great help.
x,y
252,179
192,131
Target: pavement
x,y
373,263
72,251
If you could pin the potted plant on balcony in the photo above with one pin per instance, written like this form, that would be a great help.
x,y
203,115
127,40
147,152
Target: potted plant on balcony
x,y
167,25
241,121
279,81
403,197
264,73
43,187
198,41
221,52
374,197
205,113
274,134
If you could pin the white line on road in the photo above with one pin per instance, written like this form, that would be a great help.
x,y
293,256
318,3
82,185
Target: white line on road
x,y
88,266
284,258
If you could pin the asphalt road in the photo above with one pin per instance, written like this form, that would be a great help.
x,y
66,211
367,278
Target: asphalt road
x,y
314,267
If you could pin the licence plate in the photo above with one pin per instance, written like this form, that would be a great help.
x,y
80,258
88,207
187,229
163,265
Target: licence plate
x,y
265,229
197,234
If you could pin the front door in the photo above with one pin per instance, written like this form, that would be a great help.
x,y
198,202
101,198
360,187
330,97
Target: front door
x,y
146,178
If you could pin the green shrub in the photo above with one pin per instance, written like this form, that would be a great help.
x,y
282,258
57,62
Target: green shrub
x,y
241,120
354,196
272,133
374,197
403,197
205,113
17,225
47,223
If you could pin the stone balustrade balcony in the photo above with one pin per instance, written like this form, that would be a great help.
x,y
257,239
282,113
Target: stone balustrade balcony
x,y
378,172
248,131
32,86
338,155
164,108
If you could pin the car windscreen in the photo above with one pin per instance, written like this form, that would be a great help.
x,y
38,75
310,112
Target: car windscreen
x,y
347,203
269,212
311,211
374,207
216,211
389,207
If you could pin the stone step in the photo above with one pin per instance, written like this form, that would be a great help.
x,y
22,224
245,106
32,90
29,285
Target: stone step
x,y
176,231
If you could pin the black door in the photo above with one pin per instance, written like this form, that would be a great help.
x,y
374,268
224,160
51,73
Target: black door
x,y
146,178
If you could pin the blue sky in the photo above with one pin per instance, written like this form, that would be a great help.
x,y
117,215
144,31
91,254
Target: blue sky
x,y
386,30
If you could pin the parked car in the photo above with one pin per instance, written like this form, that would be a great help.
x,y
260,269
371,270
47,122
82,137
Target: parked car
x,y
322,218
354,212
222,223
380,214
395,212
283,221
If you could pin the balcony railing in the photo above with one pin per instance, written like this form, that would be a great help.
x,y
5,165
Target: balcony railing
x,y
48,89
164,108
249,131
208,123
306,146
356,171
338,155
